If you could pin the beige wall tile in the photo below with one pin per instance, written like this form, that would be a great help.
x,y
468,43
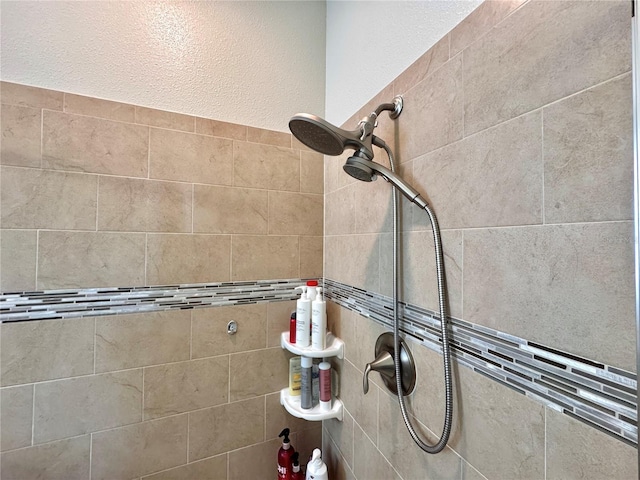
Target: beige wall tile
x,y
255,258
258,372
354,260
262,465
499,421
96,107
216,128
575,450
74,142
432,115
424,66
311,255
295,213
368,461
16,414
26,96
308,440
210,329
89,259
128,341
140,449
490,179
185,386
214,468
44,350
278,317
229,210
175,259
311,172
241,422
65,408
47,199
480,21
337,467
334,174
298,145
278,418
21,136
68,459
266,166
363,408
531,59
470,473
190,158
546,273
164,119
17,260
340,434
129,204
396,444
268,137
588,155
340,211
374,207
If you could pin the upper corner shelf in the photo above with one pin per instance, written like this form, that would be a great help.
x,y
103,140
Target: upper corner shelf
x,y
335,347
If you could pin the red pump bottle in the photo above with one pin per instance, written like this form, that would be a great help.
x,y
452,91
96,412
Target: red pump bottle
x,y
285,457
296,474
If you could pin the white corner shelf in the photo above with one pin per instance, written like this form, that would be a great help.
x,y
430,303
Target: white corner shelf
x,y
292,405
335,347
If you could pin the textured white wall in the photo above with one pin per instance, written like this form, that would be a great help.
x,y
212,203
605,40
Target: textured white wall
x,y
254,63
369,43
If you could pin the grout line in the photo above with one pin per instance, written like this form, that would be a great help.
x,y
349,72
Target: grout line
x,y
148,152
90,455
146,257
37,259
33,415
545,442
95,343
193,205
542,169
97,201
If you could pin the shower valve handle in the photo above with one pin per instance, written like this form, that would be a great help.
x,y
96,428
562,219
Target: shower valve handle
x,y
383,364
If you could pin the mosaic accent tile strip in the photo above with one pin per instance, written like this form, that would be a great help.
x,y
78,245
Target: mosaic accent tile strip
x,y
52,304
599,395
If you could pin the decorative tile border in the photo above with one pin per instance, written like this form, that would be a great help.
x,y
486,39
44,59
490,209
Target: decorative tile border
x,y
52,304
601,396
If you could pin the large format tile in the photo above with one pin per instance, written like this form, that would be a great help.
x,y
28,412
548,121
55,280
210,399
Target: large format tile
x,y
311,172
588,155
229,210
20,136
295,213
216,128
497,421
90,259
209,329
424,66
278,318
490,179
266,166
432,114
543,52
268,137
524,280
368,461
278,418
136,340
258,372
576,450
213,468
165,119
363,408
88,144
26,96
311,256
65,459
16,416
340,434
96,107
140,449
354,260
47,199
262,465
180,259
264,257
340,211
190,158
227,427
45,350
136,205
70,407
185,386
332,456
373,206
18,260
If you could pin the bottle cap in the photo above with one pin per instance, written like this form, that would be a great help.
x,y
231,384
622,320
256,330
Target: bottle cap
x,y
312,283
286,443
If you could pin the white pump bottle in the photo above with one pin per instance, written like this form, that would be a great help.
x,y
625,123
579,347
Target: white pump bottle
x,y
319,322
316,468
303,319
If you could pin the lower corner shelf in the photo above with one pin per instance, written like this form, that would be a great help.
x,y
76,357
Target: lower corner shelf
x,y
292,405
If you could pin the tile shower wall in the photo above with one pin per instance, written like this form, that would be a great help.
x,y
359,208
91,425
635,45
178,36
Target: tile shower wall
x,y
101,194
517,129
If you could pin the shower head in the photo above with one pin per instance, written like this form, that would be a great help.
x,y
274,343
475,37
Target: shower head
x,y
321,136
361,168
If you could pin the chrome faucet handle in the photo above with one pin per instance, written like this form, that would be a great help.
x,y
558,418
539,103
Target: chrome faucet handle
x,y
383,364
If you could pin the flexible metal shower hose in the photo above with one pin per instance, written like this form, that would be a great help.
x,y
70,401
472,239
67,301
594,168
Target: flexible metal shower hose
x,y
446,352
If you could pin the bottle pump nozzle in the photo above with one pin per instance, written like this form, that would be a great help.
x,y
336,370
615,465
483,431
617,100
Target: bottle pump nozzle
x,y
285,442
304,292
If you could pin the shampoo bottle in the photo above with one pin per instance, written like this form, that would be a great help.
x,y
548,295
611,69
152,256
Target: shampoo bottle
x,y
325,386
316,469
292,328
303,319
285,455
319,322
306,401
312,286
295,376
296,474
